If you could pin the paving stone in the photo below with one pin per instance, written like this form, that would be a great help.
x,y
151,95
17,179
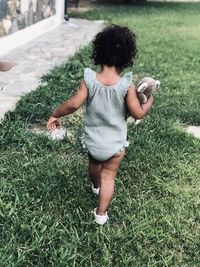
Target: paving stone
x,y
7,103
20,88
195,130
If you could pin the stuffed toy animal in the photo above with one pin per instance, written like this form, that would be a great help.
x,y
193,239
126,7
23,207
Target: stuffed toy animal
x,y
145,88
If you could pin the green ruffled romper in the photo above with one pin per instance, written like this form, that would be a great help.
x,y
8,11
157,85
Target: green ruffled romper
x,y
105,127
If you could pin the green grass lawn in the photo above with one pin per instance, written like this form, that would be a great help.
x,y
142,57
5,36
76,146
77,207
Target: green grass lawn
x,y
45,199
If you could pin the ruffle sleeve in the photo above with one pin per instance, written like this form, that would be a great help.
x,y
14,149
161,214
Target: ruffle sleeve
x,y
89,76
126,82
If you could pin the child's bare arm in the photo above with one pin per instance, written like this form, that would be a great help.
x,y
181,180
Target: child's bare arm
x,y
69,106
136,109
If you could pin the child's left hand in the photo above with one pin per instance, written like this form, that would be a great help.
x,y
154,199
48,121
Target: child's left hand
x,y
53,123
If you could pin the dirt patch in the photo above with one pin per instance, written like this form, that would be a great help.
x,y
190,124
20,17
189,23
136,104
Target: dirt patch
x,y
59,134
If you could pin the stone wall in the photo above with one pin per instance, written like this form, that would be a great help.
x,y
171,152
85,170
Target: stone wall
x,y
19,14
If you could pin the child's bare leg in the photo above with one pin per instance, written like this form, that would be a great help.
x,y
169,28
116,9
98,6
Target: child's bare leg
x,y
94,171
107,177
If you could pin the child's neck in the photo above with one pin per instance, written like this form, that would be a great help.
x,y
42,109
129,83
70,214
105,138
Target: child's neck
x,y
108,76
109,70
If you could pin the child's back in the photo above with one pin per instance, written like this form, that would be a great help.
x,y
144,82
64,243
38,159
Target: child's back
x,y
105,129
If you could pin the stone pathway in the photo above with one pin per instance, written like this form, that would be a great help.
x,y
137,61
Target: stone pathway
x,y
39,56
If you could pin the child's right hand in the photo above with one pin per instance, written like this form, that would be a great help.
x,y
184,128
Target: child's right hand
x,y
53,123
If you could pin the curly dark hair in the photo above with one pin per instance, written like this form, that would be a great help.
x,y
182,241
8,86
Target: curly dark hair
x,y
114,46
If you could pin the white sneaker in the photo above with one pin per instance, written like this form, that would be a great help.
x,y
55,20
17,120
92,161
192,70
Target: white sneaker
x,y
95,190
100,219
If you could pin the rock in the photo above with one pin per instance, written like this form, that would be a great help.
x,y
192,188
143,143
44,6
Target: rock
x,y
47,12
7,25
14,27
21,21
12,7
2,30
3,9
18,6
24,7
34,5
29,18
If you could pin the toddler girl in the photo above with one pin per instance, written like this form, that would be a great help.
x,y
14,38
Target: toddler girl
x,y
107,97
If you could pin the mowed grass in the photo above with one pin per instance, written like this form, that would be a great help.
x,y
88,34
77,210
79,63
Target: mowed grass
x,y
46,200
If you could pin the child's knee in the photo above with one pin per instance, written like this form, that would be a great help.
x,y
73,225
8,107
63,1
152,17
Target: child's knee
x,y
107,174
